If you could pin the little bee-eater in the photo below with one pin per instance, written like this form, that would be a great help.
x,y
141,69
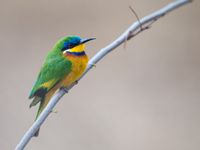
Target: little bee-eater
x,y
64,64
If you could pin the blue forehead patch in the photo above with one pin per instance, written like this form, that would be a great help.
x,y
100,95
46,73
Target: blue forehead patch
x,y
71,42
74,40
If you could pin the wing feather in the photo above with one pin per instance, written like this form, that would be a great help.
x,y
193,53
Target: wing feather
x,y
53,70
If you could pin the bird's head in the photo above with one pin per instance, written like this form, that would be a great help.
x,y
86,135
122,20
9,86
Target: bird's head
x,y
72,44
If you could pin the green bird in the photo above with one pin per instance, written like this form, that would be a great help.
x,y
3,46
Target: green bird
x,y
64,64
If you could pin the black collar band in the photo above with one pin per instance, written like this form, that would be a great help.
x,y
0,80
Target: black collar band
x,y
77,53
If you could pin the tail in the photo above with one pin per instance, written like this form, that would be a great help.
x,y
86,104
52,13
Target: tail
x,y
41,107
43,103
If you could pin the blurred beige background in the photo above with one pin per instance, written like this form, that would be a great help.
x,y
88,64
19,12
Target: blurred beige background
x,y
144,97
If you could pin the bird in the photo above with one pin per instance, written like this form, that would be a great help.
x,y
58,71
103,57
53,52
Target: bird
x,y
63,65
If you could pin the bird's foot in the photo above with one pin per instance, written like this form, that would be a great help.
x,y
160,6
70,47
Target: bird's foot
x,y
94,65
54,111
76,82
64,89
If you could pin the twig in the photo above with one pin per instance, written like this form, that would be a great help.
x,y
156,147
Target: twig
x,y
138,19
130,32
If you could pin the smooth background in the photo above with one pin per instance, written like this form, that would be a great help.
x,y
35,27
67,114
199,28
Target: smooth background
x,y
144,97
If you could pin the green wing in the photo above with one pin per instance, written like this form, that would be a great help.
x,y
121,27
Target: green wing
x,y
53,70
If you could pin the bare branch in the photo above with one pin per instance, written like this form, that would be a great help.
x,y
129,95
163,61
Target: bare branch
x,y
132,31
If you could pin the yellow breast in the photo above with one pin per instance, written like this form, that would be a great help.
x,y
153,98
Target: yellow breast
x,y
79,64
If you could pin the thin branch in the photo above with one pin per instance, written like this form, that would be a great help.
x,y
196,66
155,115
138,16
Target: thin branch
x,y
132,31
138,19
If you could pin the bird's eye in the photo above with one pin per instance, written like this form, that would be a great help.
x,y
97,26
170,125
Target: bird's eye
x,y
70,46
67,46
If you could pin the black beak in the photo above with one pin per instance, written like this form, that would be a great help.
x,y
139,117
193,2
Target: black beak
x,y
86,40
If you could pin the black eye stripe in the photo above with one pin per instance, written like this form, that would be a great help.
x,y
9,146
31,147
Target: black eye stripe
x,y
70,44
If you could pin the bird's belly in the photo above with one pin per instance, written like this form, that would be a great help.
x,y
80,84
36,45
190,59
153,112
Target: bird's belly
x,y
78,67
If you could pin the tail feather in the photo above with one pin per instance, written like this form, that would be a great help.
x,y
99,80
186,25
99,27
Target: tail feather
x,y
37,133
36,100
43,103
41,107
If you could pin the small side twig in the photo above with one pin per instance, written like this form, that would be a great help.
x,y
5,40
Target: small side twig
x,y
138,19
130,35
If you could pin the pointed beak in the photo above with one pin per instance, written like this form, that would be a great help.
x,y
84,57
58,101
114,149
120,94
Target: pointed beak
x,y
86,40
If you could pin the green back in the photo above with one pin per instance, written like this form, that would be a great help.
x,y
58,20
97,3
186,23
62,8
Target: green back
x,y
55,68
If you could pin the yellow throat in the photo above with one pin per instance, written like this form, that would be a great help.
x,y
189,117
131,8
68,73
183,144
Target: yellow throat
x,y
78,49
